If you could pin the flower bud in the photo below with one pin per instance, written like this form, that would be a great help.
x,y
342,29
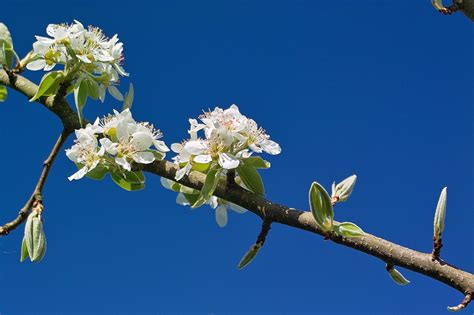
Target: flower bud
x,y
343,190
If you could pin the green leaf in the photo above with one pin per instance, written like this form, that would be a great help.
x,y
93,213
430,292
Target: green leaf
x,y
192,198
128,102
6,36
3,93
97,173
200,167
251,179
249,255
129,181
212,179
92,88
24,250
49,84
7,54
256,162
348,229
321,208
440,213
81,90
159,156
39,240
397,276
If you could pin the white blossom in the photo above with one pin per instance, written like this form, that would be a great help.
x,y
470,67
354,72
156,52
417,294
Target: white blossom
x,y
85,151
123,142
81,49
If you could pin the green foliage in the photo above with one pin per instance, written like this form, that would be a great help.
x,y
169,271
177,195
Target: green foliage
x,y
397,276
129,181
3,93
249,255
212,179
49,84
256,162
348,229
128,101
321,208
7,54
251,179
34,240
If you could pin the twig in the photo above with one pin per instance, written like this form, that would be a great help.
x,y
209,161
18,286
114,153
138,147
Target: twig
x,y
262,236
465,302
437,244
36,196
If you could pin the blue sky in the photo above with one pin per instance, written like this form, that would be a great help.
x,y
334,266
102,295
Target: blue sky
x,y
382,89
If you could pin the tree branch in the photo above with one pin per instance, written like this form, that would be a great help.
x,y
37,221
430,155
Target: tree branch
x,y
37,194
56,103
388,252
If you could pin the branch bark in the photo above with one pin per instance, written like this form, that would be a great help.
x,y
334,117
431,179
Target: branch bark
x,y
390,253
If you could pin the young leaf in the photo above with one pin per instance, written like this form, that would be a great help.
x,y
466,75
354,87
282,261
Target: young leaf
x,y
128,102
115,93
39,240
256,162
249,255
80,96
212,179
129,181
348,229
92,88
440,213
3,93
97,173
24,250
251,179
321,208
49,83
34,239
397,277
6,36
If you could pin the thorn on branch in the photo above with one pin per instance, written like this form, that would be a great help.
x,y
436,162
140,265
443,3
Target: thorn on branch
x,y
465,302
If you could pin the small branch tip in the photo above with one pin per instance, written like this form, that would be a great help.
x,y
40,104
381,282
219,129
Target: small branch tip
x,y
464,303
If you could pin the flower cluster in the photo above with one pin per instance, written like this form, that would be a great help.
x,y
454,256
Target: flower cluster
x,y
83,51
230,137
113,144
226,148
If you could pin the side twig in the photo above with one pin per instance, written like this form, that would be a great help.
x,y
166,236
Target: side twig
x,y
36,196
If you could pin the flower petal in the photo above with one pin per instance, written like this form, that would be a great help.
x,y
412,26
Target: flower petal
x,y
183,171
110,147
143,157
123,163
221,216
203,159
237,208
228,161
79,174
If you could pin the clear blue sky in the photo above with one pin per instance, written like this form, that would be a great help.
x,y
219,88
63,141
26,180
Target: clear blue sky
x,y
380,88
